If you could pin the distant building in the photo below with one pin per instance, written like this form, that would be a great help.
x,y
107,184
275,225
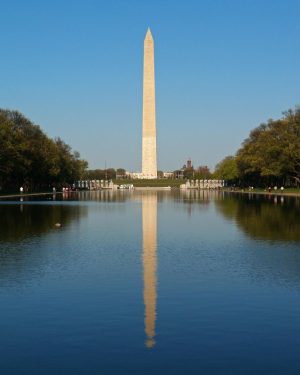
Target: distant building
x,y
179,174
186,170
134,175
168,174
189,164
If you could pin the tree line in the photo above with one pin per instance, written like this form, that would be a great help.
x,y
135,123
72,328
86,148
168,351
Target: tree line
x,y
269,156
29,158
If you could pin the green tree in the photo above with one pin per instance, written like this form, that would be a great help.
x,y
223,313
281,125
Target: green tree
x,y
160,174
101,174
203,173
29,158
271,153
121,173
227,169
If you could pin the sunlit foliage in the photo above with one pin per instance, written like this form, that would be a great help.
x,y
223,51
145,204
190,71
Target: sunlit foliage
x,y
29,158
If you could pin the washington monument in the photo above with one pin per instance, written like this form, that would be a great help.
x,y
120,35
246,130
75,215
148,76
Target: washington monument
x,y
149,164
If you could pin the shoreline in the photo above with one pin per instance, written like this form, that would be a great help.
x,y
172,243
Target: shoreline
x,y
27,194
154,188
163,188
279,193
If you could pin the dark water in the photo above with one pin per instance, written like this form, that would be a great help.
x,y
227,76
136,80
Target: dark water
x,y
153,282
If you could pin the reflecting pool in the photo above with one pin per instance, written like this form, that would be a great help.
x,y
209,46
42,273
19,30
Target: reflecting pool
x,y
137,282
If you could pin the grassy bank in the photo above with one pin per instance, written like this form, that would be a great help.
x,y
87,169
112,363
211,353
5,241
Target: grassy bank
x,y
151,183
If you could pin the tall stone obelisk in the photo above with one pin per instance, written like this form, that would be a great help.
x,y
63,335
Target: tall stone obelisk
x,y
149,164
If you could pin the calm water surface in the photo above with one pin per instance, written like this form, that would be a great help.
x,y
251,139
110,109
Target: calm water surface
x,y
150,282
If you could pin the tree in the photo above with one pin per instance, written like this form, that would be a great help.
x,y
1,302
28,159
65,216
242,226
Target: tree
x,y
271,153
160,174
203,173
100,174
121,173
227,169
29,158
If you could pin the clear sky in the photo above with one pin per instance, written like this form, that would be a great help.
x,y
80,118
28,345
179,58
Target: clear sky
x,y
222,67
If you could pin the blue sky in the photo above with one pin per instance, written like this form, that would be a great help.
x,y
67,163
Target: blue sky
x,y
222,68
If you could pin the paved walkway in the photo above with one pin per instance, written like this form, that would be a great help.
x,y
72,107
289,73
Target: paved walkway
x,y
27,194
273,192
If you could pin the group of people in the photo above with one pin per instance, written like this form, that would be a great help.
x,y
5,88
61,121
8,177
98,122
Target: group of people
x,y
275,188
53,189
251,188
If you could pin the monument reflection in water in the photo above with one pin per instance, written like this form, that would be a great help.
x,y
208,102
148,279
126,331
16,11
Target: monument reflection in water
x,y
149,219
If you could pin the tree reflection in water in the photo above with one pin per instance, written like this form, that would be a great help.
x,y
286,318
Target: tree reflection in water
x,y
264,217
21,221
